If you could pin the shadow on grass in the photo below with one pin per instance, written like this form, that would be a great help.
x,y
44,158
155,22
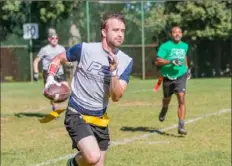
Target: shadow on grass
x,y
30,114
150,130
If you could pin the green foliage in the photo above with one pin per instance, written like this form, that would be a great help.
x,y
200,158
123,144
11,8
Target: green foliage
x,y
54,10
208,19
133,15
12,15
15,13
157,19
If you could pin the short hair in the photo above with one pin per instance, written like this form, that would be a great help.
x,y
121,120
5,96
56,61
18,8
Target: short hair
x,y
175,26
108,16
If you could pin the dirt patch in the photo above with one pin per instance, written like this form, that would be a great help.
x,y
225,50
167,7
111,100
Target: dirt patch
x,y
4,120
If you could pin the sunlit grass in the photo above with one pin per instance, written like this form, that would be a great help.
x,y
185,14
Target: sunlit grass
x,y
25,141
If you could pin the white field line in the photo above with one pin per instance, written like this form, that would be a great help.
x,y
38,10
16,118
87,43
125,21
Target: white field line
x,y
156,142
128,140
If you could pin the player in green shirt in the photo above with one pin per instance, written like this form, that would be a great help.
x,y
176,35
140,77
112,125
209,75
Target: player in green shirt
x,y
172,61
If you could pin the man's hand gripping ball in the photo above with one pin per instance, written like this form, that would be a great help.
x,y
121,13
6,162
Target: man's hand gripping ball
x,y
176,62
57,92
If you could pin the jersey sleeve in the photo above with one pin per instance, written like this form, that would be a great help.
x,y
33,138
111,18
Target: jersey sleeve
x,y
63,49
162,52
126,74
74,53
41,53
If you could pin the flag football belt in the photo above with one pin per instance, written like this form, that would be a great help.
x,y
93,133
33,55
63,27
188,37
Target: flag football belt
x,y
51,116
102,121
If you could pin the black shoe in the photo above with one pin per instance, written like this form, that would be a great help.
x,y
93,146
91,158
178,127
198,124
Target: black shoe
x,y
182,131
69,162
72,162
163,114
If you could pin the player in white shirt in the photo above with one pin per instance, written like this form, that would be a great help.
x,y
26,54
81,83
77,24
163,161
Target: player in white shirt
x,y
46,54
102,72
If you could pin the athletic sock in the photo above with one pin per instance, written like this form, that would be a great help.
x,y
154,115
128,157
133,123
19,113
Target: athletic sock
x,y
181,123
75,162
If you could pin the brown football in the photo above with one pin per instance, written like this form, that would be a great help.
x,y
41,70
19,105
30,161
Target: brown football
x,y
57,93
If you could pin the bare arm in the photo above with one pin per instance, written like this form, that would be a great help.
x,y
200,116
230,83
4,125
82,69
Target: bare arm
x,y
35,64
117,88
186,62
161,62
56,62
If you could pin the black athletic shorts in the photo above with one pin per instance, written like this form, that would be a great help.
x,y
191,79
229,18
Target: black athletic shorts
x,y
174,86
77,129
58,78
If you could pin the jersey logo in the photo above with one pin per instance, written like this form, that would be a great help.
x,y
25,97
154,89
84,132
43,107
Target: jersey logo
x,y
97,69
177,53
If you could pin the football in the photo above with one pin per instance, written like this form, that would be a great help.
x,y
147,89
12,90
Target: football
x,y
57,92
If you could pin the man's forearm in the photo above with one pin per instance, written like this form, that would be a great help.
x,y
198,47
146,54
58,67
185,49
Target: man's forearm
x,y
161,62
35,65
116,89
186,62
56,62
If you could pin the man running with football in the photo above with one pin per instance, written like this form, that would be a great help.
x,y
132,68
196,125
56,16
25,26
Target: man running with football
x,y
102,72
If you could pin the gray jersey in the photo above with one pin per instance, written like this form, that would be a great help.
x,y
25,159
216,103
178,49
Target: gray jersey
x,y
91,80
47,53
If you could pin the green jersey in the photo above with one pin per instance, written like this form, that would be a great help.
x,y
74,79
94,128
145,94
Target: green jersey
x,y
169,51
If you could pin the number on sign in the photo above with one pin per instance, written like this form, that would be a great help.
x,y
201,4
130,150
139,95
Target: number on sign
x,y
30,31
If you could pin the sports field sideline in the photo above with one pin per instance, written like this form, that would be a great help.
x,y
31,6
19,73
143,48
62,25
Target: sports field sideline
x,y
138,138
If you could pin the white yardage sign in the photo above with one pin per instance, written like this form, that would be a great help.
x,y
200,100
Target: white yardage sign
x,y
30,31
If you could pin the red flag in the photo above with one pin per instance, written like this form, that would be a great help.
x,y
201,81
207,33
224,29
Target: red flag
x,y
157,85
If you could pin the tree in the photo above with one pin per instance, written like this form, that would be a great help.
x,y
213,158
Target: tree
x,y
208,19
206,24
60,14
15,13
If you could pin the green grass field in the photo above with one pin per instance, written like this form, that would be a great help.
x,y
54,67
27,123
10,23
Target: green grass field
x,y
138,138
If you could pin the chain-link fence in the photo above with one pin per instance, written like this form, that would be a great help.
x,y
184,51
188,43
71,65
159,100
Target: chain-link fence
x,y
146,29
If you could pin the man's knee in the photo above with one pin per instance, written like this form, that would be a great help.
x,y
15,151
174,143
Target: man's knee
x,y
167,100
181,100
93,157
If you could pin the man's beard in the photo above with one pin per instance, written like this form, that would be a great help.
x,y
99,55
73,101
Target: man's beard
x,y
116,44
